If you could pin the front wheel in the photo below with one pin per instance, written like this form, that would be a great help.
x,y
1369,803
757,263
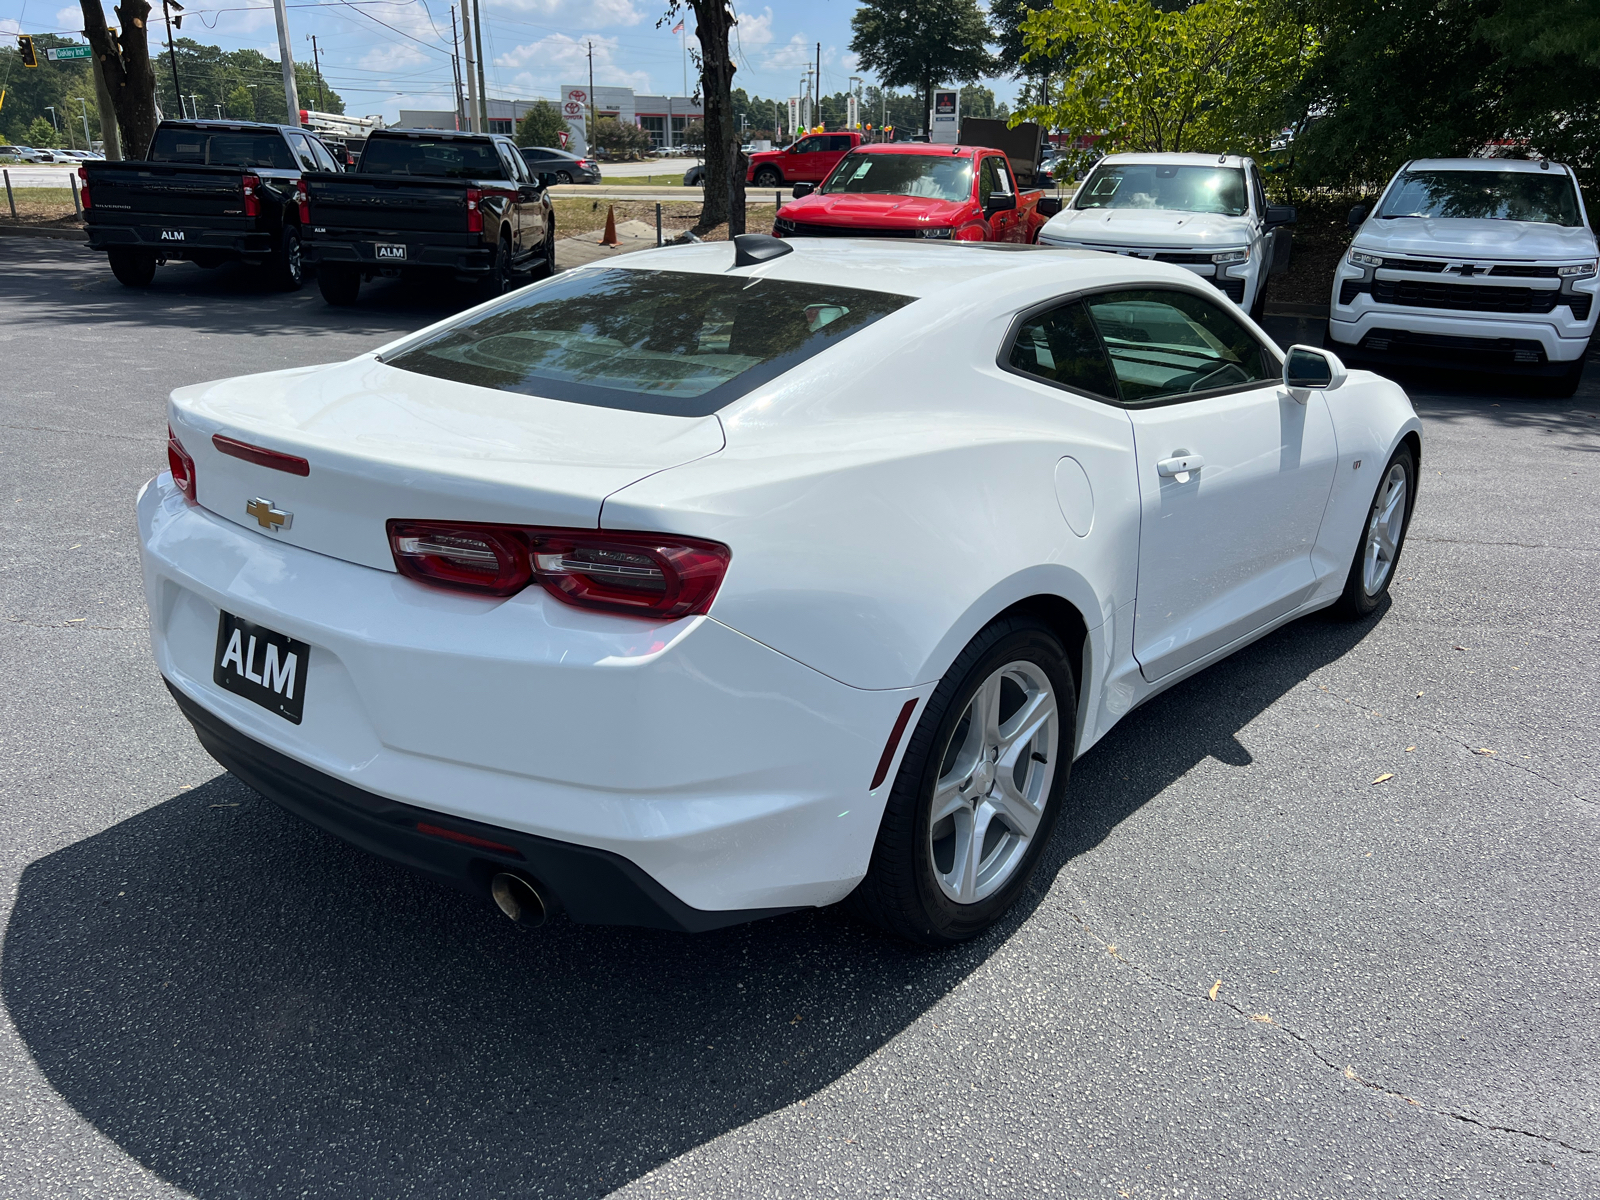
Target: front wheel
x,y
133,268
1565,384
768,177
288,264
978,790
1258,306
1382,538
498,279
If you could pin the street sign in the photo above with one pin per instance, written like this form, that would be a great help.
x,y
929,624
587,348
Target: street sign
x,y
58,53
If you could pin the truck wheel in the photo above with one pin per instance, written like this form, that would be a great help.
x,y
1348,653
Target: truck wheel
x,y
1258,306
1563,385
133,268
288,266
499,277
546,266
339,284
768,177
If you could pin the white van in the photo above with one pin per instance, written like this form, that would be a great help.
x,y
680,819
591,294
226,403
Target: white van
x,y
1483,264
1206,212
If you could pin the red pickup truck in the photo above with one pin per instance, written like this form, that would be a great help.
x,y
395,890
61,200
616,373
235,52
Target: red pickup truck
x,y
916,189
807,161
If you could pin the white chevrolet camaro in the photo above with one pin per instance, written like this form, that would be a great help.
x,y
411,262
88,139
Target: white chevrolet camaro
x,y
716,581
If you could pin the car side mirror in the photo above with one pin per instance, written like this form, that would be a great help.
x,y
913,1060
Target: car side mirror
x,y
1307,369
1049,206
1000,202
803,189
1358,216
1280,214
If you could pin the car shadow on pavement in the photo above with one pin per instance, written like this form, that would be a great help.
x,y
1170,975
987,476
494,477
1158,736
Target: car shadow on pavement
x,y
247,1006
60,282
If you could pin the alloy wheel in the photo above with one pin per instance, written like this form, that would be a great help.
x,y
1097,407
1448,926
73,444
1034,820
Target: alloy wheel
x,y
1384,530
994,782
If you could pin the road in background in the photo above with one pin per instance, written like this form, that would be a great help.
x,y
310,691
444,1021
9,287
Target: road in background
x,y
204,996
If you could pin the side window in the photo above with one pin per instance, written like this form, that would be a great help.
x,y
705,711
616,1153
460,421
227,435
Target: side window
x,y
807,146
514,164
1261,196
1174,343
302,152
841,142
1002,177
1061,346
324,159
986,182
507,170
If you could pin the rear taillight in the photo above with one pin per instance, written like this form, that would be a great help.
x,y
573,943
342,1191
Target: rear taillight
x,y
474,213
261,456
83,190
659,576
181,465
304,200
252,201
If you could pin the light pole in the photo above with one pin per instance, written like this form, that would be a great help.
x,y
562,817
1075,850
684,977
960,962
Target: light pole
x,y
88,142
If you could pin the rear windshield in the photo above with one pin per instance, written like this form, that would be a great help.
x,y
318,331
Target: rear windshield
x,y
208,148
932,176
449,159
1165,185
649,341
1548,197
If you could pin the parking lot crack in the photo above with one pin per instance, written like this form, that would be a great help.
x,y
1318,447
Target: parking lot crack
x,y
1115,951
80,623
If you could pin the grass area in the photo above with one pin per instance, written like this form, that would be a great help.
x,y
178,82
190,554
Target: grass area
x,y
642,180
35,205
576,216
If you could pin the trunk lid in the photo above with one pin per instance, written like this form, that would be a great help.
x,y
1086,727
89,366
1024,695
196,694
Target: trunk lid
x,y
382,443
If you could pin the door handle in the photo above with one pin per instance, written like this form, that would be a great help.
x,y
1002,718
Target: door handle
x,y
1179,466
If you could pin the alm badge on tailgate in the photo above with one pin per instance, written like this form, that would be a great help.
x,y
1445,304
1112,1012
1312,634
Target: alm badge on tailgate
x,y
389,251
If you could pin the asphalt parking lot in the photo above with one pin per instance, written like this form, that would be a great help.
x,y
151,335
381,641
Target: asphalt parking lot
x,y
1245,970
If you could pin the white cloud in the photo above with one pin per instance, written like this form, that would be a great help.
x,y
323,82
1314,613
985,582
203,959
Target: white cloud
x,y
793,55
556,59
69,18
599,13
753,32
392,56
9,27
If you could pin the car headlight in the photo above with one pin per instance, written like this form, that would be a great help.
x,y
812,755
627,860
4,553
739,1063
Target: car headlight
x,y
933,233
782,225
1576,271
1359,258
1231,256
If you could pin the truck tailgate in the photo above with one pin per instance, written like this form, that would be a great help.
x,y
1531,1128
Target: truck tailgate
x,y
126,192
388,204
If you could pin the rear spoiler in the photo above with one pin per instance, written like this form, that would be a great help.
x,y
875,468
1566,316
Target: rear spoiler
x,y
1023,145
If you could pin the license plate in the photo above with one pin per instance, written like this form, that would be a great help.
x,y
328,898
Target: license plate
x,y
173,235
388,251
262,665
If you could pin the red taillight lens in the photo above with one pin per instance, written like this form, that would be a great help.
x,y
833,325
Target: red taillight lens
x,y
83,190
641,574
474,213
181,465
261,456
252,201
304,200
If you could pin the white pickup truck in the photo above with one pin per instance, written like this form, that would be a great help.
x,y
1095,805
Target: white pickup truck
x,y
1475,264
1205,212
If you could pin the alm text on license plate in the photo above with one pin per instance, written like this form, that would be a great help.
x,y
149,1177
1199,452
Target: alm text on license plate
x,y
262,665
385,250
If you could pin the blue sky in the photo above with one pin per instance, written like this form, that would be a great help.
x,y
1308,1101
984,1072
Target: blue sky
x,y
382,55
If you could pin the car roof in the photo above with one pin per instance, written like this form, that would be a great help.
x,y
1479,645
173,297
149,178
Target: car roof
x,y
912,267
207,123
1525,166
407,131
1182,158
550,150
931,149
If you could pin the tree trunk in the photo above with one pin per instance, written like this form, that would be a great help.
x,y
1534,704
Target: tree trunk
x,y
725,163
124,60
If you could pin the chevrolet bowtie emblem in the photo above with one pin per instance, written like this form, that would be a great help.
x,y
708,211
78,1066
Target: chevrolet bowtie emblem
x,y
269,517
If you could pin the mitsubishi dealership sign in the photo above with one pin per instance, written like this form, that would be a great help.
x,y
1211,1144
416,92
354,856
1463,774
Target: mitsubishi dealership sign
x,y
944,122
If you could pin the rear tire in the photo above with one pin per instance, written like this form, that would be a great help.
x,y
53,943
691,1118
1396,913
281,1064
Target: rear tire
x,y
563,177
288,262
340,285
1383,536
960,835
498,279
546,266
768,177
133,268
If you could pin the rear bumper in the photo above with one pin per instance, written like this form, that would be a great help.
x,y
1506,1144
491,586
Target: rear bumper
x,y
732,776
591,886
362,252
227,243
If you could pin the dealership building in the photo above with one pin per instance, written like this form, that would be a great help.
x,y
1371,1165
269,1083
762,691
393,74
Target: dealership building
x,y
664,118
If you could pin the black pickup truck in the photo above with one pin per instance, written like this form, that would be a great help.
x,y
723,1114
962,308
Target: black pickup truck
x,y
457,206
209,192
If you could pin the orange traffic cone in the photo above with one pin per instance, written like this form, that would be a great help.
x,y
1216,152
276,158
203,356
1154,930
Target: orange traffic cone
x,y
609,238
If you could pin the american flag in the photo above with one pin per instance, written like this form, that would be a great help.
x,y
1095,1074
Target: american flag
x,y
678,28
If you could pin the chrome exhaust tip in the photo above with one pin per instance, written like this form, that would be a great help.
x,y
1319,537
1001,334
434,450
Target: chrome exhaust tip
x,y
519,900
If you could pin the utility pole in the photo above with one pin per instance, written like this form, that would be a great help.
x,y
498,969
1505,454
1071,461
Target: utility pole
x,y
472,75
483,80
316,65
166,7
819,95
88,142
291,93
455,65
594,119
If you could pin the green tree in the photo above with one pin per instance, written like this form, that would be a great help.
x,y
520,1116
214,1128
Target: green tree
x,y
42,135
30,90
922,43
1008,18
541,125
1215,76
241,103
619,139
1400,79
